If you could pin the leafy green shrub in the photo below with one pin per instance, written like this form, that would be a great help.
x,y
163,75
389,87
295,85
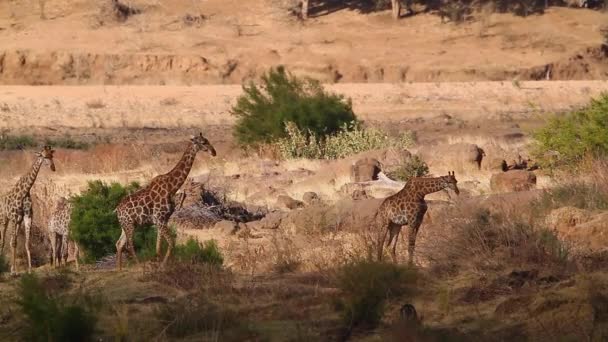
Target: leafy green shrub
x,y
9,142
567,139
94,223
49,319
352,138
282,97
366,286
199,253
414,167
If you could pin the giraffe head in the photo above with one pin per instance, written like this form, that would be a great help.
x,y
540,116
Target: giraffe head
x,y
449,182
202,144
47,154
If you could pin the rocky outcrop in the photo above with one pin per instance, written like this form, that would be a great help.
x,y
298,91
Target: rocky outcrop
x,y
516,180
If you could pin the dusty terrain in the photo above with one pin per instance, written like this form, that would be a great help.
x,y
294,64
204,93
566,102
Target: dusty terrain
x,y
220,41
136,90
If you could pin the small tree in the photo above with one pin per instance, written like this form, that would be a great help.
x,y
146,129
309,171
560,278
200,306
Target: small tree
x,y
282,97
567,139
94,223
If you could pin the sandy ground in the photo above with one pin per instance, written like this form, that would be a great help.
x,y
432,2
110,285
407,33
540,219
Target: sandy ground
x,y
57,107
80,43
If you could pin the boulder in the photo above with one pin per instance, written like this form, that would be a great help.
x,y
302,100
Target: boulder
x,y
566,217
227,227
365,170
468,155
310,197
287,202
515,180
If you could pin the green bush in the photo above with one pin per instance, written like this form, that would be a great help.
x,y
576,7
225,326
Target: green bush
x,y
366,286
352,138
414,167
567,139
17,142
49,319
282,97
94,223
200,253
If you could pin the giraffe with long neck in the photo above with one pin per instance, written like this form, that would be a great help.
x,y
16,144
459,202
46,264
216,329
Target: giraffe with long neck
x,y
407,207
154,204
16,206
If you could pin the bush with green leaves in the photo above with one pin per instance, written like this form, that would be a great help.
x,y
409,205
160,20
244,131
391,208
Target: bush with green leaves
x,y
352,138
413,167
567,139
282,97
94,223
366,286
199,253
50,318
67,142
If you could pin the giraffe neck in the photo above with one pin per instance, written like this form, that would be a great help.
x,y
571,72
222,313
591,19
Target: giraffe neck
x,y
425,186
27,181
180,172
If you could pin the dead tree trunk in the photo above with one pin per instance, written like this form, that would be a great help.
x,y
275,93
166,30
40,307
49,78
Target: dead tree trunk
x,y
305,9
396,7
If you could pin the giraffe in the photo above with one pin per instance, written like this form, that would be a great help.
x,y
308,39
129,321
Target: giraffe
x,y
407,207
155,203
16,206
59,233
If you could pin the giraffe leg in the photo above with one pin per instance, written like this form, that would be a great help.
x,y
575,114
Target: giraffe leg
x,y
76,255
382,224
131,247
14,248
3,227
159,241
395,245
170,241
120,245
27,223
412,241
64,249
53,247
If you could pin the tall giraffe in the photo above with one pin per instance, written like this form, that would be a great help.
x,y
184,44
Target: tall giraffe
x,y
59,233
16,206
154,203
407,207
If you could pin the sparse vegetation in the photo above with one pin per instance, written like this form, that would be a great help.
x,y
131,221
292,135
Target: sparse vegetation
x,y
195,315
567,139
4,267
95,104
366,286
18,142
413,167
51,318
352,138
281,97
491,241
199,253
67,142
94,223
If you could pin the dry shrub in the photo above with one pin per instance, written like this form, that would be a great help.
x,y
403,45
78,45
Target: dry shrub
x,y
287,258
486,242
